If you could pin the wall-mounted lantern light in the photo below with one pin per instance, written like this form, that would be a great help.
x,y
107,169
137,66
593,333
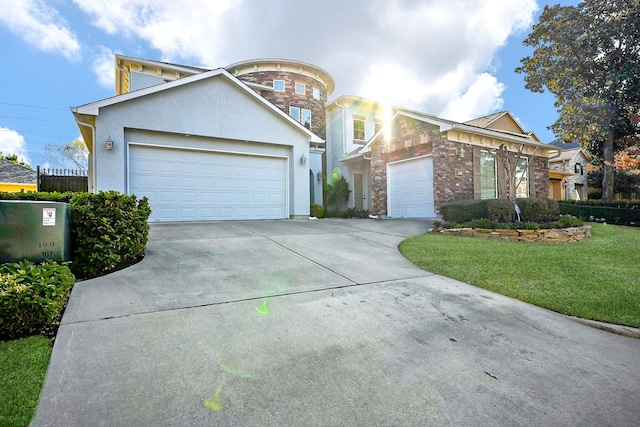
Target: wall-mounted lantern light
x,y
303,159
108,143
460,151
319,176
578,168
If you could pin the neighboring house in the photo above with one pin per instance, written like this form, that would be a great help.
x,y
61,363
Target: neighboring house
x,y
248,142
14,177
568,172
416,162
201,146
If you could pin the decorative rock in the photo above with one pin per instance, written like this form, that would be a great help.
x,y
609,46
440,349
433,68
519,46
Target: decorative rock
x,y
571,234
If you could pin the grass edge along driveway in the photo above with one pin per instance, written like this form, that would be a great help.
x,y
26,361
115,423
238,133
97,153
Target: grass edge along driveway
x,y
23,365
595,279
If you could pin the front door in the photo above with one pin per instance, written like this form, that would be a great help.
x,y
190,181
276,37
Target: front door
x,y
358,193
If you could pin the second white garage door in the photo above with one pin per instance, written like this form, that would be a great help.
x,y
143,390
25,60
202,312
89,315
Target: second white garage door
x,y
190,185
410,188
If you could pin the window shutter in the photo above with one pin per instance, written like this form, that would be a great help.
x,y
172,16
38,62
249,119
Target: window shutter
x,y
477,174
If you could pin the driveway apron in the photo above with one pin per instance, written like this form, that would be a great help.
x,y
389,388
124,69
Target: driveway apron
x,y
320,323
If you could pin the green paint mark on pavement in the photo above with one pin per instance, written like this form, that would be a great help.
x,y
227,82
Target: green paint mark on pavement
x,y
214,403
262,308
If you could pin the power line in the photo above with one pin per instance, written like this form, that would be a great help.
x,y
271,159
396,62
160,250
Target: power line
x,y
34,133
34,106
32,119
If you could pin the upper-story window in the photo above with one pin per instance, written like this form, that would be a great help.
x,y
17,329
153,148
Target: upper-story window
x,y
377,125
278,85
358,128
300,89
316,93
522,178
302,115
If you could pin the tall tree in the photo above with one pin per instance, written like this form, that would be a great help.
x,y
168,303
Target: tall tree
x,y
588,56
72,155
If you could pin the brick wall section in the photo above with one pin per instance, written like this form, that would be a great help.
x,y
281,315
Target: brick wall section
x,y
284,100
410,138
447,184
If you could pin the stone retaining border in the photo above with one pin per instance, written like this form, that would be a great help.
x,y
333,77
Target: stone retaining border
x,y
570,234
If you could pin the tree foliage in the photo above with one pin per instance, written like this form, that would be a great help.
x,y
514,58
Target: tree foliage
x,y
72,155
588,56
13,158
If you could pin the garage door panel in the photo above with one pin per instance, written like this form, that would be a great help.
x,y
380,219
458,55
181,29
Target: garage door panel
x,y
184,185
410,188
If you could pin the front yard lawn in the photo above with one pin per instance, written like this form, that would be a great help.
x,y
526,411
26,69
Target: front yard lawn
x,y
23,365
596,279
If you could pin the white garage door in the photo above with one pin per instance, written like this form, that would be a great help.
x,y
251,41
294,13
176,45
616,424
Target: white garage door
x,y
410,188
188,185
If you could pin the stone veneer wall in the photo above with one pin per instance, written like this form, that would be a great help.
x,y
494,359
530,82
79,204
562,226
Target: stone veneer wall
x,y
410,138
448,185
571,234
284,100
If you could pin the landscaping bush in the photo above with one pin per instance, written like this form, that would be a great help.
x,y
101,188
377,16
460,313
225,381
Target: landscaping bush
x,y
621,212
569,221
317,211
501,210
485,223
536,210
111,228
464,210
32,297
35,195
337,194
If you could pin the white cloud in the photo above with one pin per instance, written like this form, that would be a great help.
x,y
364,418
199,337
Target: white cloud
x,y
430,55
481,98
11,142
186,29
103,66
39,25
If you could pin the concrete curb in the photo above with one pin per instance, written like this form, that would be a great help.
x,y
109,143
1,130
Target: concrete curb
x,y
609,327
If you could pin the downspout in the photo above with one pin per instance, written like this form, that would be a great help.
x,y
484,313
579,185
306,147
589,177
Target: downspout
x,y
93,155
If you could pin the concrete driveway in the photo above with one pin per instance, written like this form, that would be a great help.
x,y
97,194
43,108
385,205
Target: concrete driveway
x,y
321,323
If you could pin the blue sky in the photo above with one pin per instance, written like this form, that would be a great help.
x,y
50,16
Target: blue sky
x,y
455,59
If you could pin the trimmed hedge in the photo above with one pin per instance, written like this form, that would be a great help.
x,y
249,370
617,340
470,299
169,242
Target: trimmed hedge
x,y
111,228
107,229
464,210
623,212
32,297
531,210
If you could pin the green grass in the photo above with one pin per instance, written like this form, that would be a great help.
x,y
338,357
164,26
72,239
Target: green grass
x,y
594,279
23,365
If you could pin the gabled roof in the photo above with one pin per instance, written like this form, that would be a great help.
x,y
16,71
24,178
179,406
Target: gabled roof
x,y
446,125
490,121
569,154
93,108
13,173
565,146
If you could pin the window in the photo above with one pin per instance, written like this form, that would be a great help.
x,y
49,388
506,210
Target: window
x,y
358,128
522,180
278,85
302,115
377,125
316,93
488,187
300,88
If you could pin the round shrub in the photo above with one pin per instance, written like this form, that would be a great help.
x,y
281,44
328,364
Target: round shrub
x,y
317,211
32,297
464,210
501,210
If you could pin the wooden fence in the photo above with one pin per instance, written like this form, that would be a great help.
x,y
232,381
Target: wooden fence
x,y
62,180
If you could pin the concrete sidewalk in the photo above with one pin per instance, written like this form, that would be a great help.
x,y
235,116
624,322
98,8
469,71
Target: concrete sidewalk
x,y
320,323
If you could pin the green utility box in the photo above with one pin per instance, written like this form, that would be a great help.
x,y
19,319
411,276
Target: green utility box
x,y
34,230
